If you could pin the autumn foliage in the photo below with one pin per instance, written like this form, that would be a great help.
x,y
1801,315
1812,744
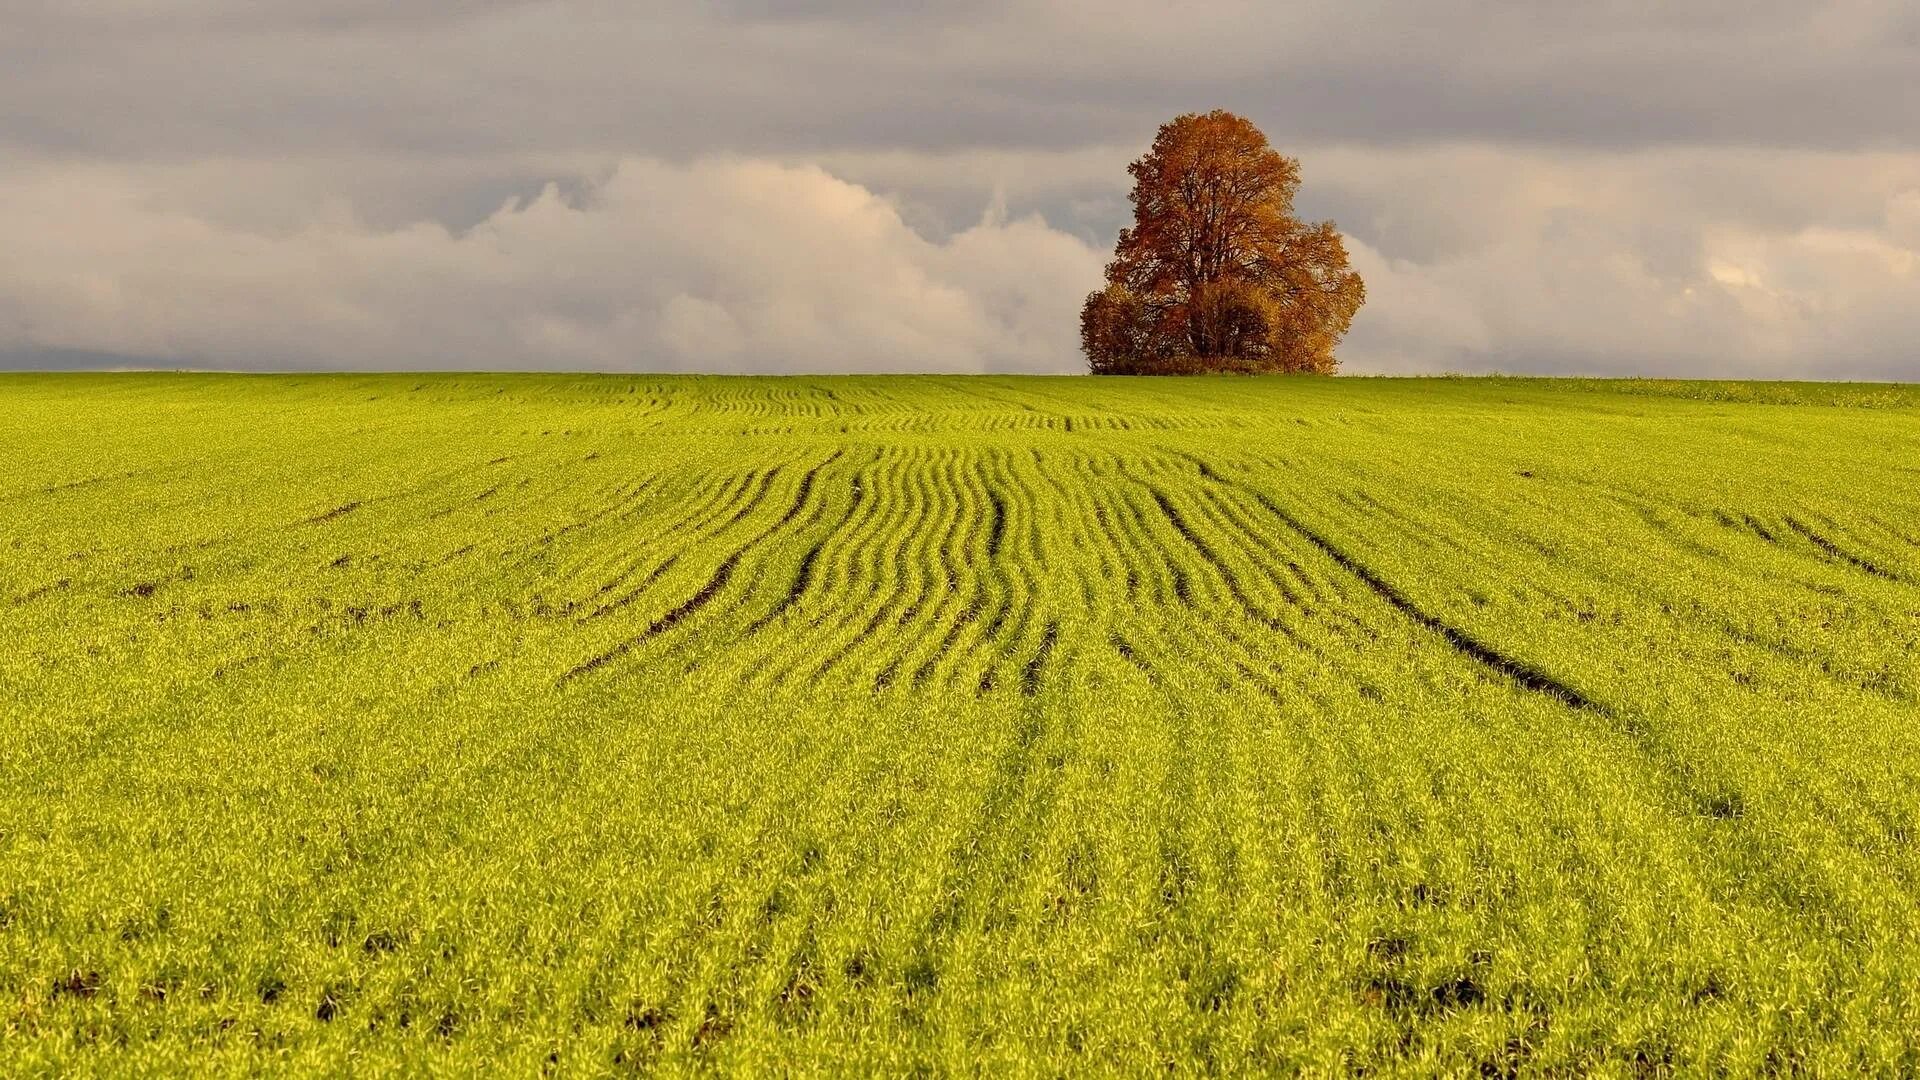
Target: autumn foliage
x,y
1217,273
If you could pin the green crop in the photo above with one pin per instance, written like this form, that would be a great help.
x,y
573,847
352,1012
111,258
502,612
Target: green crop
x,y
565,724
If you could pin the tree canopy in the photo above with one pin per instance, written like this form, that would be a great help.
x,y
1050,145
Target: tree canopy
x,y
1217,273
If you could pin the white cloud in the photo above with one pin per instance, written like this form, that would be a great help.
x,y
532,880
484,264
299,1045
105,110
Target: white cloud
x,y
1903,218
1707,263
728,265
1478,257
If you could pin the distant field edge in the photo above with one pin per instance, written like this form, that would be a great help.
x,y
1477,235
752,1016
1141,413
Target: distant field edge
x,y
1842,394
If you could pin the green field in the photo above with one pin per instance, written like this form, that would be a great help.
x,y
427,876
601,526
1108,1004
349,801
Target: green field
x,y
999,725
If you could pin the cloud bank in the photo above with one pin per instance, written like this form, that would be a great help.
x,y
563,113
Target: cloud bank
x,y
723,266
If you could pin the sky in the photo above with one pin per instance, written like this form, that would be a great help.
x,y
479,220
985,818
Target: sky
x,y
1714,189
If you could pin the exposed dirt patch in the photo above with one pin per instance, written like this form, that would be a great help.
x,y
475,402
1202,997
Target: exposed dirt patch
x,y
664,623
1835,551
336,512
1036,666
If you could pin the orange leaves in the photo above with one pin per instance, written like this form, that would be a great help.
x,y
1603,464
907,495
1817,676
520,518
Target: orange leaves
x,y
1216,272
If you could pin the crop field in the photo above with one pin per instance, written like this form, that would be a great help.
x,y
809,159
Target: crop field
x,y
578,725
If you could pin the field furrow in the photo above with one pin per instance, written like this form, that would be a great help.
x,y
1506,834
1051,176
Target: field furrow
x,y
897,725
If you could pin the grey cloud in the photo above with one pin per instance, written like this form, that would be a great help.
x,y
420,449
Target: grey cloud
x,y
771,76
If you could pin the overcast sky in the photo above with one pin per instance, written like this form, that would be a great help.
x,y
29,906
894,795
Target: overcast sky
x,y
1709,188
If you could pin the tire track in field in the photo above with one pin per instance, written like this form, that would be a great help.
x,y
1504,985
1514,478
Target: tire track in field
x,y
986,527
1689,791
622,497
632,594
707,592
932,568
878,550
970,607
664,623
1234,588
1822,659
1233,518
993,577
957,536
1515,670
808,569
1821,541
1835,551
1036,667
1109,532
1128,652
1227,652
996,832
907,563
1019,590
703,509
1230,652
1128,520
912,586
802,577
888,562
334,514
1519,672
1071,525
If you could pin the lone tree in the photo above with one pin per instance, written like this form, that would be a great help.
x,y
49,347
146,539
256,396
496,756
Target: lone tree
x,y
1217,274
